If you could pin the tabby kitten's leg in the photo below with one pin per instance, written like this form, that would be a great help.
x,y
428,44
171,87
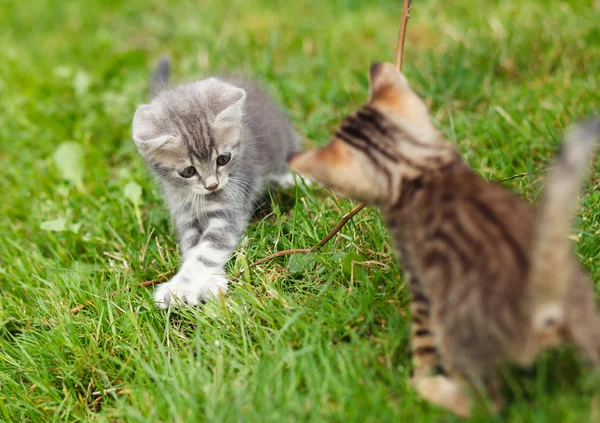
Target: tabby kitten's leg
x,y
583,319
469,376
437,389
445,393
585,335
424,352
208,242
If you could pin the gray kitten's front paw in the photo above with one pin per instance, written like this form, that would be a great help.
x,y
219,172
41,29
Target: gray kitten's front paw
x,y
189,291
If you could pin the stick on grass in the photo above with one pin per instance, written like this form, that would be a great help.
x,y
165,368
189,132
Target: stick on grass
x,y
402,33
322,242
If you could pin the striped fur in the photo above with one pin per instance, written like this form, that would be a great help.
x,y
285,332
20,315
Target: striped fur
x,y
492,280
191,125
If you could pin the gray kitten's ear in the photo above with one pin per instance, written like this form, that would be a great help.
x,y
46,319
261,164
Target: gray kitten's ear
x,y
147,133
233,100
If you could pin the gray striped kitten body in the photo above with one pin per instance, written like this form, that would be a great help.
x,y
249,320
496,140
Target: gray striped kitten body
x,y
214,145
493,281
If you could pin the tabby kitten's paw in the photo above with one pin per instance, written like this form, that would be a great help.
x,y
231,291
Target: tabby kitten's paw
x,y
444,393
189,290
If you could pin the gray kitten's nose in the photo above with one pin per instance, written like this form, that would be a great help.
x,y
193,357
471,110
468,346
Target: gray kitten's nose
x,y
212,186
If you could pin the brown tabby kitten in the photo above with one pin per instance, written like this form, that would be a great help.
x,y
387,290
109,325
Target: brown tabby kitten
x,y
492,280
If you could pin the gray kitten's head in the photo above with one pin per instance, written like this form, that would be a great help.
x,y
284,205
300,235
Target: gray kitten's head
x,y
190,134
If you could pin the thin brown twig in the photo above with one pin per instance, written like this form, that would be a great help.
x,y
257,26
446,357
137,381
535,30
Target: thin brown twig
x,y
111,391
402,33
152,282
322,242
518,175
80,307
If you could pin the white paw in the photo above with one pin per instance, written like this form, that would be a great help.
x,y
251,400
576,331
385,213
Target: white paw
x,y
287,180
189,290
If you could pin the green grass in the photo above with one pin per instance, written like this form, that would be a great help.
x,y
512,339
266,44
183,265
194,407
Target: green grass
x,y
296,339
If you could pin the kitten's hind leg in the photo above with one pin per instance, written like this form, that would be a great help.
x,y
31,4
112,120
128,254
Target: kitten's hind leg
x,y
585,336
471,375
438,389
457,391
583,319
424,352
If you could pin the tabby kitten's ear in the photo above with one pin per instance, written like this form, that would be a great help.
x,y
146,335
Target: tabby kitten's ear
x,y
147,134
385,80
391,93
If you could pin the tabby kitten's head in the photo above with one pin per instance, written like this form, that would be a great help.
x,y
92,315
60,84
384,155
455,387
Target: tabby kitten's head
x,y
387,140
190,134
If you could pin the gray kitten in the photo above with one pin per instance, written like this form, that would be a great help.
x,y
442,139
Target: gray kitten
x,y
214,145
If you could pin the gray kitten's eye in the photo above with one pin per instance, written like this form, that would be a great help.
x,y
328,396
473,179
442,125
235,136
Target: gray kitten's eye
x,y
188,172
223,159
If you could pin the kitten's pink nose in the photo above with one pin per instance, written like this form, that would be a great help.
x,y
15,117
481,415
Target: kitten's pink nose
x,y
212,187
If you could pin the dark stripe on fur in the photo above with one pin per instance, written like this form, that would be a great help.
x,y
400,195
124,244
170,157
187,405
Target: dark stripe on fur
x,y
197,225
408,189
486,212
435,258
423,312
417,320
194,241
207,262
218,241
373,118
219,214
420,298
425,350
355,131
439,370
452,247
376,162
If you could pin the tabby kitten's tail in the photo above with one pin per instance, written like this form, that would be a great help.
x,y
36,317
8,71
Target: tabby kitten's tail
x,y
160,78
552,263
